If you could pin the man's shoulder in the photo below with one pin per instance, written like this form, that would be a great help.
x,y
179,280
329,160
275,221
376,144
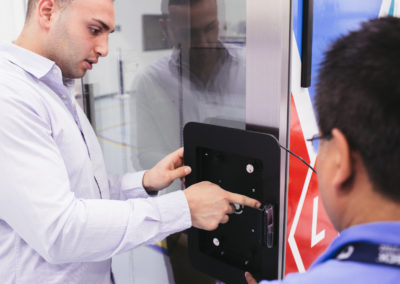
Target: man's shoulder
x,y
335,271
14,84
10,74
158,67
159,74
18,89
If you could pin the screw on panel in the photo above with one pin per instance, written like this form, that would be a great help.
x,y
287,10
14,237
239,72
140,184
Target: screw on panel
x,y
250,168
253,190
216,242
238,208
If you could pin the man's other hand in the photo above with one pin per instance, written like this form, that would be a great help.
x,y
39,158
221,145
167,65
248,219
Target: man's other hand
x,y
165,172
210,205
249,278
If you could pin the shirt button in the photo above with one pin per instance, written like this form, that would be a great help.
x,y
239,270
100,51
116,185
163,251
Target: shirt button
x,y
63,96
55,71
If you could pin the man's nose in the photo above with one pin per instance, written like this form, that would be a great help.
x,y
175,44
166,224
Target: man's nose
x,y
102,46
199,38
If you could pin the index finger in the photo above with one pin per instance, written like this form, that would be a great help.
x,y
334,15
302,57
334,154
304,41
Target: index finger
x,y
249,278
243,200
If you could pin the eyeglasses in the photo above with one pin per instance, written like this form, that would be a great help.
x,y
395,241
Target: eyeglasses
x,y
316,138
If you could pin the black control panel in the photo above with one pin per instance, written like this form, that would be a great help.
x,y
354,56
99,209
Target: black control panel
x,y
247,163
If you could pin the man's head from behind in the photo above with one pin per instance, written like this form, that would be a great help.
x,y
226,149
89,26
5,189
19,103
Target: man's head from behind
x,y
358,95
73,33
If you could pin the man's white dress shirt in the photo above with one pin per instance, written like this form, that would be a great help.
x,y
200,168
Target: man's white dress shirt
x,y
57,222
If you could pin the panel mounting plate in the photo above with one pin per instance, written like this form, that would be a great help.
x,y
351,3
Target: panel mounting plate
x,y
242,162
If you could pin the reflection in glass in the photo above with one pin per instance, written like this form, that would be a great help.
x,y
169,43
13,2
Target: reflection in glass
x,y
202,79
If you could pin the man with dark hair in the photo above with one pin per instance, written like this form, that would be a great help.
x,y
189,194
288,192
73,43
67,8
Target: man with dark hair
x,y
57,224
358,95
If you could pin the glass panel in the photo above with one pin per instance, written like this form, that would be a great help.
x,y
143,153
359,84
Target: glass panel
x,y
202,78
166,67
168,64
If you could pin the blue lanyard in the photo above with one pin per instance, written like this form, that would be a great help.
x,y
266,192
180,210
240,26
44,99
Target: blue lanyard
x,y
381,254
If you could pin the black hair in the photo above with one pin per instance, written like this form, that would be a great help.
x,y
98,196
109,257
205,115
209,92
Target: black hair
x,y
32,4
358,92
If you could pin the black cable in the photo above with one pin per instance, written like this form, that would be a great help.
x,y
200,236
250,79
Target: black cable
x,y
290,152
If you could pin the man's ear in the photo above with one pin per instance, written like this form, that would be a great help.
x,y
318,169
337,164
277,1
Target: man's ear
x,y
342,159
45,11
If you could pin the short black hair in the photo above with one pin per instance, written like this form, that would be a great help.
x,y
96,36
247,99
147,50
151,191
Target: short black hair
x,y
32,4
358,92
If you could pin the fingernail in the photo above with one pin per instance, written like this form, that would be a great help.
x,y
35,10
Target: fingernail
x,y
188,170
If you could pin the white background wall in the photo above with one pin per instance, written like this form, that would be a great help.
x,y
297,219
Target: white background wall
x,y
12,16
105,76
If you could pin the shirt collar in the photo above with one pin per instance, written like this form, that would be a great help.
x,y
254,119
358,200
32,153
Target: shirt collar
x,y
376,233
33,63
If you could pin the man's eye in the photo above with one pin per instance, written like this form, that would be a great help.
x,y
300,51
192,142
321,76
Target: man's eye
x,y
94,31
211,27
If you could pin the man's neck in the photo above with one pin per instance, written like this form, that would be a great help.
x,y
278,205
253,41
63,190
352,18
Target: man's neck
x,y
204,70
30,40
372,206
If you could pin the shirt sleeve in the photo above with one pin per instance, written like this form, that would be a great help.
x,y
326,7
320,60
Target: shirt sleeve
x,y
36,199
129,185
